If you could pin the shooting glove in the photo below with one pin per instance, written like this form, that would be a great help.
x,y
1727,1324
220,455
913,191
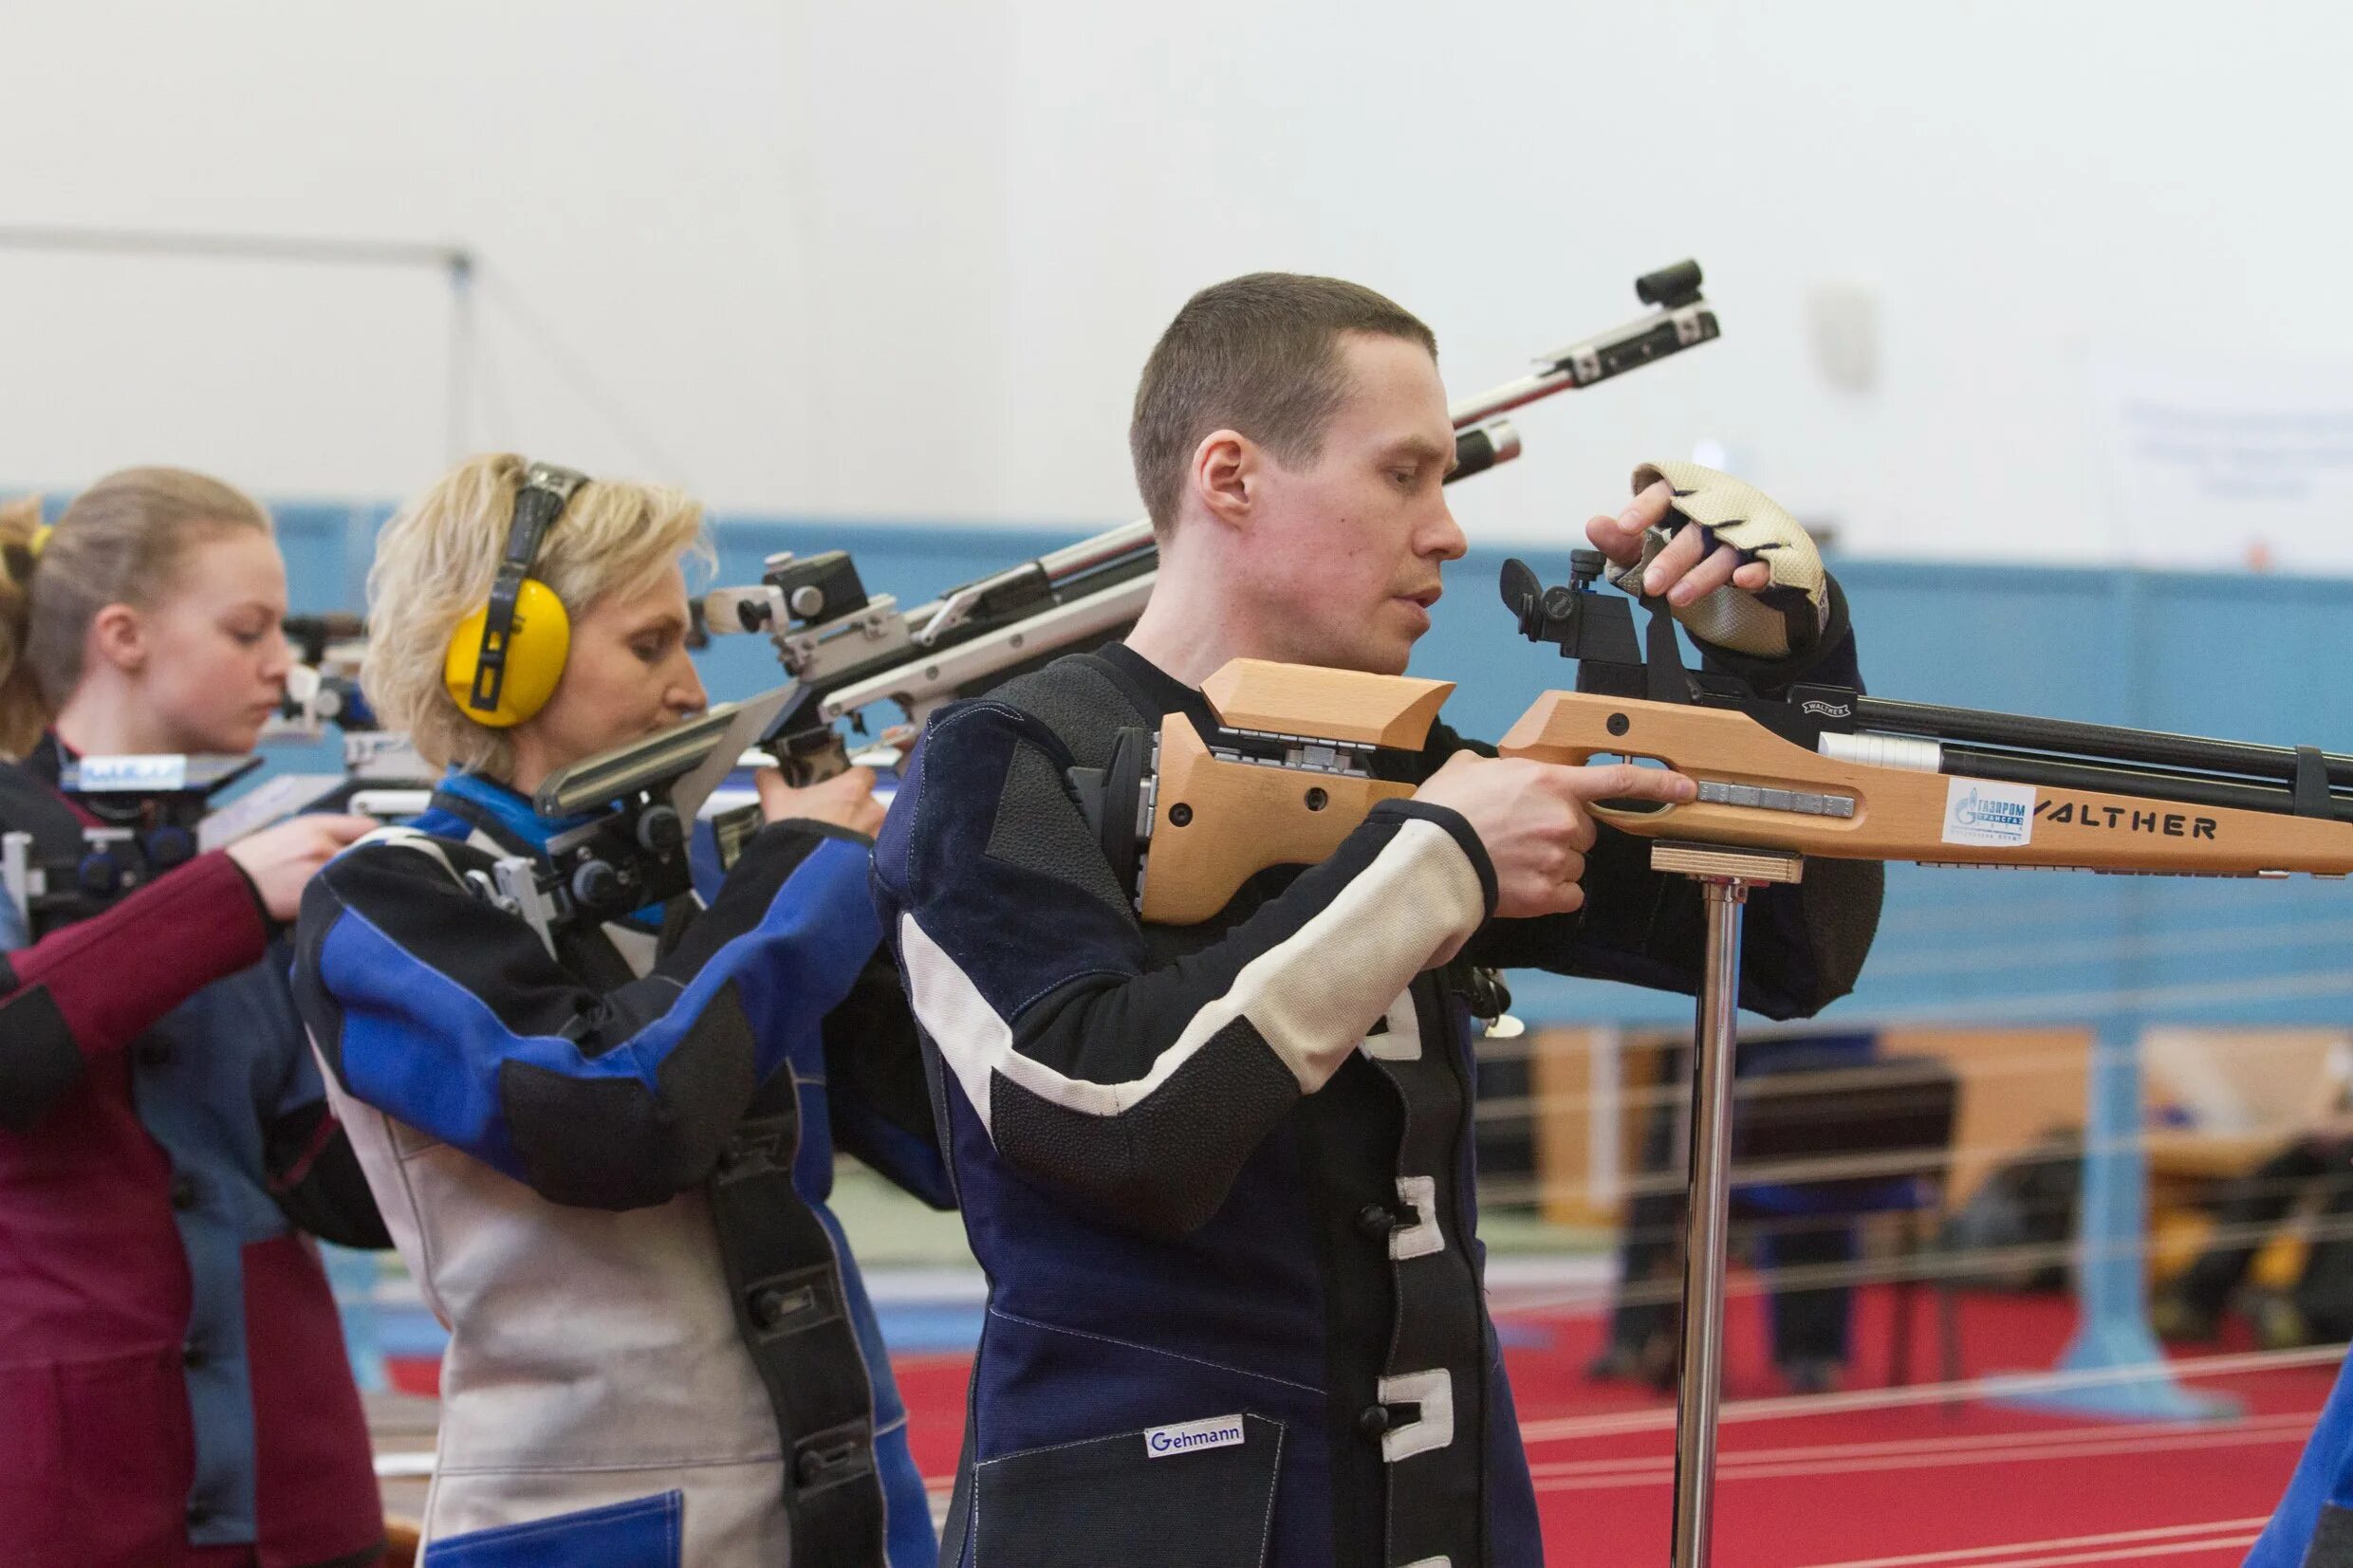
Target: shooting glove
x,y
1785,619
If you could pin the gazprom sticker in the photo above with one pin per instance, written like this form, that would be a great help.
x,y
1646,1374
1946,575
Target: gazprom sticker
x,y
142,773
1979,811
1220,1431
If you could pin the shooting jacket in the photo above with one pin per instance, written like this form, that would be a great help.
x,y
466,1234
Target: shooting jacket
x,y
1222,1176
608,1173
172,1381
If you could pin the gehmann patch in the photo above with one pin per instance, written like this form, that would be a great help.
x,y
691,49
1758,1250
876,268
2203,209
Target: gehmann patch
x,y
1218,1431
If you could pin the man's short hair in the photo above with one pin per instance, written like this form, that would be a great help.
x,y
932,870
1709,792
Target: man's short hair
x,y
1260,355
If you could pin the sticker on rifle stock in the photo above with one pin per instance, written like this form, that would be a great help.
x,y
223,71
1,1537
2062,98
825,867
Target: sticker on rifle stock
x,y
1218,1431
1979,811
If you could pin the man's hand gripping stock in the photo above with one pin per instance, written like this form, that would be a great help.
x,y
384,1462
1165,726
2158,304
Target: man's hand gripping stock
x,y
1733,567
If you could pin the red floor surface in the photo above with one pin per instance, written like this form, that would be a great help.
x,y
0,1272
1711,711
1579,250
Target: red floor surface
x,y
1972,1485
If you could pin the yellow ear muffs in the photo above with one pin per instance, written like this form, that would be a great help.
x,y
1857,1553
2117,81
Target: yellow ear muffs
x,y
504,661
535,652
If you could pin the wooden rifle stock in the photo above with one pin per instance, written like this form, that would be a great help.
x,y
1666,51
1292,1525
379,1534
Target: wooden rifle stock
x,y
1222,815
1901,814
1285,779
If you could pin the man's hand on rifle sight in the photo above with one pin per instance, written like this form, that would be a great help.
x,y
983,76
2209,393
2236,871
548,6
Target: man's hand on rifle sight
x,y
1679,572
1535,821
278,860
846,800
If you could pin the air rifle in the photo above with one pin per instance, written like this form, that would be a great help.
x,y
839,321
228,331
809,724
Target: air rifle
x,y
636,806
322,687
383,776
1826,770
156,812
1817,771
149,815
847,649
152,813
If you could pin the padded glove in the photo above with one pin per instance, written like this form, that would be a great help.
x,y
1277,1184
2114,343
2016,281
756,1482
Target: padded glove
x,y
1785,619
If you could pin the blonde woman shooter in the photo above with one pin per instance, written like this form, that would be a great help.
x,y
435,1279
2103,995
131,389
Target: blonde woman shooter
x,y
608,1165
172,1386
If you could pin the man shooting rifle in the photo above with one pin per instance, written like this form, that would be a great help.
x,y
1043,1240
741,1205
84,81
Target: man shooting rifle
x,y
1219,1172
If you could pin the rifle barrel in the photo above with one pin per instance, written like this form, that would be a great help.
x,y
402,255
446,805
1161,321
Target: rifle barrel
x,y
2106,742
1511,395
1087,554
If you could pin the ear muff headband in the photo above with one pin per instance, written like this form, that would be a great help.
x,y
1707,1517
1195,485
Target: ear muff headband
x,y
505,660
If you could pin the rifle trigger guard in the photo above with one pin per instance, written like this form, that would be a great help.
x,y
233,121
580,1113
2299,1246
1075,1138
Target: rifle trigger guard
x,y
1616,812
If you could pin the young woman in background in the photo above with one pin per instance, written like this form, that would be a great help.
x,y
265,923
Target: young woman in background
x,y
607,1159
173,1384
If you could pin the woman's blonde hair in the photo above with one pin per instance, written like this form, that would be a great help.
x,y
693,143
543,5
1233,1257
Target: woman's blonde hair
x,y
435,563
120,542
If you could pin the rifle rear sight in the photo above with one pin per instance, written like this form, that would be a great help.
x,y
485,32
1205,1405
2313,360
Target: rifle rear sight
x,y
1593,628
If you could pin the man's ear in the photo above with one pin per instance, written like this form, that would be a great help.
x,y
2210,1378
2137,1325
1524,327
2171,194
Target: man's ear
x,y
1226,471
117,636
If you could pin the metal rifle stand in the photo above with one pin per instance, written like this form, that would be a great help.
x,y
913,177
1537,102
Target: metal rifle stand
x,y
1725,875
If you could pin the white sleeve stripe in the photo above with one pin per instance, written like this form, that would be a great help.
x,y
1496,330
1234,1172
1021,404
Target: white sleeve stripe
x,y
1314,996
971,1039
1311,996
975,1043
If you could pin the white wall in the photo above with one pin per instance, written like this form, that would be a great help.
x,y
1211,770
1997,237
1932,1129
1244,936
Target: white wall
x,y
904,261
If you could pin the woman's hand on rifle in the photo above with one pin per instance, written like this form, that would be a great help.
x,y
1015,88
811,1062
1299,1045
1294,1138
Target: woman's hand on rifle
x,y
279,861
846,800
